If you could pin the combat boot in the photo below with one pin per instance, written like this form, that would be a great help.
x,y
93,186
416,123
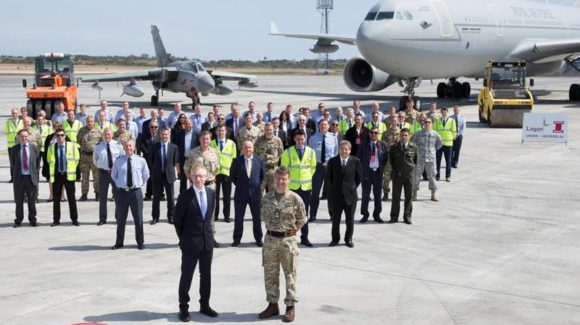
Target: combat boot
x,y
414,198
271,310
290,314
386,197
434,197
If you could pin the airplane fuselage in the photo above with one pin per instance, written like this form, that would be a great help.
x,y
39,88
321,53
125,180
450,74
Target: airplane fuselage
x,y
443,38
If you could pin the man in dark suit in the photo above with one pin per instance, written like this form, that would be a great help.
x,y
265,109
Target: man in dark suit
x,y
343,176
373,156
185,140
235,122
194,210
357,134
247,173
229,132
278,132
164,159
301,126
149,142
25,160
210,123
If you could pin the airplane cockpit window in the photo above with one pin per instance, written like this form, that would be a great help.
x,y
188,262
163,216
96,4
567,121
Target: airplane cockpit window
x,y
408,15
371,16
385,15
200,67
399,15
194,67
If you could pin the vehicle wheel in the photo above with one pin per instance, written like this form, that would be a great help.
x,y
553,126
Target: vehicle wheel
x,y
489,118
465,90
574,93
480,113
441,90
154,100
456,90
402,103
418,102
38,106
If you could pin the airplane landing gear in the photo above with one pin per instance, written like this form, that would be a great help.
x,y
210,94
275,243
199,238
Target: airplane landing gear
x,y
155,98
574,93
453,89
410,90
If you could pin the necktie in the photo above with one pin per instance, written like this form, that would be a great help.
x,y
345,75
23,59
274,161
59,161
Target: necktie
x,y
62,155
443,121
323,149
300,153
25,159
456,122
40,129
202,205
163,156
248,167
349,124
343,163
221,145
373,151
403,146
235,126
109,156
129,174
276,133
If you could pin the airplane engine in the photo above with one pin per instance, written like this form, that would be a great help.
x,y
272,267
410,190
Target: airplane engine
x,y
324,49
133,90
222,89
361,76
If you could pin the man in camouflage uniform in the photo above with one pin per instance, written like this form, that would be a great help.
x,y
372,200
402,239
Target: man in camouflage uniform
x,y
33,135
284,214
260,123
433,114
403,158
88,138
269,148
390,137
209,158
122,135
428,142
411,113
250,132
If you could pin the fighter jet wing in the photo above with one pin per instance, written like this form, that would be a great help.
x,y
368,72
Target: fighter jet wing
x,y
539,51
323,39
224,75
163,74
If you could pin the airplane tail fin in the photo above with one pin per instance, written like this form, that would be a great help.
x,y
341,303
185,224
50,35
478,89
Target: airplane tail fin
x,y
163,58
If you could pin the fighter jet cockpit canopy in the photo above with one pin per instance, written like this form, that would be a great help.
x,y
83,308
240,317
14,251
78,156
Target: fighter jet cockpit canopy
x,y
197,67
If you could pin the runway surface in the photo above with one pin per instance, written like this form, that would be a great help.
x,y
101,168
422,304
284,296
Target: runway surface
x,y
501,246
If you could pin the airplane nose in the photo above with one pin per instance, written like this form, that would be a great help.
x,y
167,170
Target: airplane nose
x,y
367,40
205,84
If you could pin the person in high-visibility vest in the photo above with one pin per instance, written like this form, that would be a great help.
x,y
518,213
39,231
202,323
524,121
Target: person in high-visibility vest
x,y
13,125
227,151
71,126
301,161
376,123
346,123
447,129
63,158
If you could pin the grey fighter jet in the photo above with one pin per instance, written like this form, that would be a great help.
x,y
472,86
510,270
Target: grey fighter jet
x,y
189,77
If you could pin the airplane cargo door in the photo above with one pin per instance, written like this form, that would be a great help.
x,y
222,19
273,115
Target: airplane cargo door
x,y
445,22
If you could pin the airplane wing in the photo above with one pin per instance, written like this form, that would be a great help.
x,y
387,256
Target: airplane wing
x,y
164,74
323,39
224,75
540,51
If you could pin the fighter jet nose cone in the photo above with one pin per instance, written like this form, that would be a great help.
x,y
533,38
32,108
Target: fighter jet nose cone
x,y
205,84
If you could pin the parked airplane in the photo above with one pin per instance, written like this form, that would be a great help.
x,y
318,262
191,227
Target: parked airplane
x,y
406,41
189,77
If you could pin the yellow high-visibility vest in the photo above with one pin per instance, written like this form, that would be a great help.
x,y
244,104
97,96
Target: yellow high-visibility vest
x,y
72,160
72,131
382,128
301,171
46,131
343,125
448,132
11,130
227,155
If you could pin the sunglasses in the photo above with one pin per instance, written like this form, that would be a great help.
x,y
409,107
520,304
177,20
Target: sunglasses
x,y
374,132
220,118
60,135
154,127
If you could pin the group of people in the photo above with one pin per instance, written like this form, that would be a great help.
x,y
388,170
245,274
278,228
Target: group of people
x,y
282,166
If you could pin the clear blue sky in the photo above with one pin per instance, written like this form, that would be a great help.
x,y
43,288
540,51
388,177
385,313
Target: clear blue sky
x,y
205,29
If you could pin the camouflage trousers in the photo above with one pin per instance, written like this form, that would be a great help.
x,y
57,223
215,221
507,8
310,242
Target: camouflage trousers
x,y
268,182
86,165
387,178
429,167
276,252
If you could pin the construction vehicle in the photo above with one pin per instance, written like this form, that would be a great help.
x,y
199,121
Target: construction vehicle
x,y
54,83
505,98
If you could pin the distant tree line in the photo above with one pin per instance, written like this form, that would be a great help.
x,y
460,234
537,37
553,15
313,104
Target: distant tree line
x,y
147,60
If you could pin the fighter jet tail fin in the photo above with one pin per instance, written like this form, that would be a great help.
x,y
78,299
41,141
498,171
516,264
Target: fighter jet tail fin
x,y
163,59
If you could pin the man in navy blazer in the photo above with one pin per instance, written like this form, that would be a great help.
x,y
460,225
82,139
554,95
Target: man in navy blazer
x,y
373,157
193,213
164,162
247,173
185,140
25,160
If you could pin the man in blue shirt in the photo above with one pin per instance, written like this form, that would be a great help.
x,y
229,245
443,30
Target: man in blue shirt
x,y
460,123
130,173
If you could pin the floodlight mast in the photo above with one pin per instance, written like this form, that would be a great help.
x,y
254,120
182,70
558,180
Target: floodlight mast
x,y
324,7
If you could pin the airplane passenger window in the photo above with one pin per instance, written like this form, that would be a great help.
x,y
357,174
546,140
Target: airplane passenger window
x,y
385,15
371,16
399,15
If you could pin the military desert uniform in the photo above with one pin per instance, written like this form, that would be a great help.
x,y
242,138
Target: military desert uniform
x,y
390,137
251,134
403,160
123,137
270,150
261,126
280,215
411,117
88,140
428,142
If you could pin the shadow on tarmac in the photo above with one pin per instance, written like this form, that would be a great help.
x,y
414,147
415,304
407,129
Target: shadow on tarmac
x,y
142,316
87,248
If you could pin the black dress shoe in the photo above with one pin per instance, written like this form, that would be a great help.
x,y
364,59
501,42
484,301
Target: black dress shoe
x,y
206,310
349,244
228,220
55,223
235,244
306,243
437,178
16,225
311,219
153,222
147,198
216,244
49,200
170,221
140,247
115,247
333,243
259,244
364,219
184,316
33,224
100,223
379,220
392,221
408,222
75,223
